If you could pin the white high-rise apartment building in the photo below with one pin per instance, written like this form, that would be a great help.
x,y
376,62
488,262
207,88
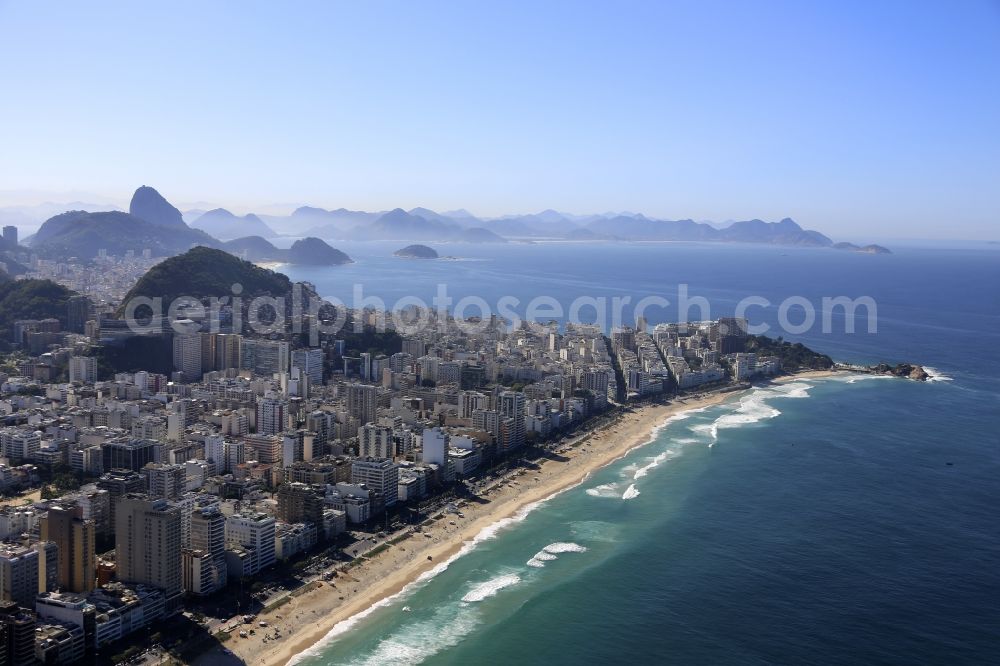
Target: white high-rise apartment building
x,y
362,402
187,349
207,566
435,446
265,357
512,429
148,544
83,369
310,362
254,532
271,415
165,480
375,441
381,476
470,401
214,449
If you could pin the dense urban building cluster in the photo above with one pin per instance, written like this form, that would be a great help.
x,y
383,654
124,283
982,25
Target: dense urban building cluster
x,y
163,488
686,356
103,279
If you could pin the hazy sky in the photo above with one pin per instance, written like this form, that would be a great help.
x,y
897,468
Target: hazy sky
x,y
856,118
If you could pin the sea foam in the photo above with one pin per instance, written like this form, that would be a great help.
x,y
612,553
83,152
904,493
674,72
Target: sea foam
x,y
631,492
345,625
754,408
564,547
414,642
540,558
859,378
935,375
491,587
793,390
551,551
643,471
391,649
603,490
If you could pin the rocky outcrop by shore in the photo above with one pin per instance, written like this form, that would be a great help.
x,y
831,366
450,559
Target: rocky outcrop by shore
x,y
907,370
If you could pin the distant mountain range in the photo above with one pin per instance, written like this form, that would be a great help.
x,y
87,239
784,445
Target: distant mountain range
x,y
223,224
422,224
152,222
30,217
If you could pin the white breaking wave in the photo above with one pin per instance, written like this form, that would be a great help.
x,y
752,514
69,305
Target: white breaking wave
x,y
680,416
564,547
414,642
793,390
754,408
751,410
710,428
633,470
548,553
603,490
631,493
643,471
935,375
491,587
540,558
858,378
344,626
655,432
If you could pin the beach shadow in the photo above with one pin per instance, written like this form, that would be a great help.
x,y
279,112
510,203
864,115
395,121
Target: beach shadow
x,y
179,638
219,655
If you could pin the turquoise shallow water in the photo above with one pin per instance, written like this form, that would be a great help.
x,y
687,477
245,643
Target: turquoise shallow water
x,y
815,522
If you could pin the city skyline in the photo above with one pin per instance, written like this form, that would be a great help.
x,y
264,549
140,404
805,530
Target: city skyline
x,y
850,119
510,333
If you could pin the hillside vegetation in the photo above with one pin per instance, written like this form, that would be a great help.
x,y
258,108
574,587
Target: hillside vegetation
x,y
793,355
204,272
30,299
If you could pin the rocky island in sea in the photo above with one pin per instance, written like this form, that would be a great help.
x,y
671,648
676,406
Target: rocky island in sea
x,y
416,251
316,252
862,249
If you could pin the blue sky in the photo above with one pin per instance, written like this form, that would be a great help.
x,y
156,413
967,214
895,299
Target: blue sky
x,y
855,118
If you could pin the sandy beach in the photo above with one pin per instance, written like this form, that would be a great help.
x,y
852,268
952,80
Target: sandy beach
x,y
811,374
307,618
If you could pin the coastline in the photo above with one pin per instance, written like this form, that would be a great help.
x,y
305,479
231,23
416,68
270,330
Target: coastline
x,y
811,374
269,265
306,620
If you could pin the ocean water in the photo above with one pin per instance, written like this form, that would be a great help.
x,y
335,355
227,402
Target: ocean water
x,y
813,522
